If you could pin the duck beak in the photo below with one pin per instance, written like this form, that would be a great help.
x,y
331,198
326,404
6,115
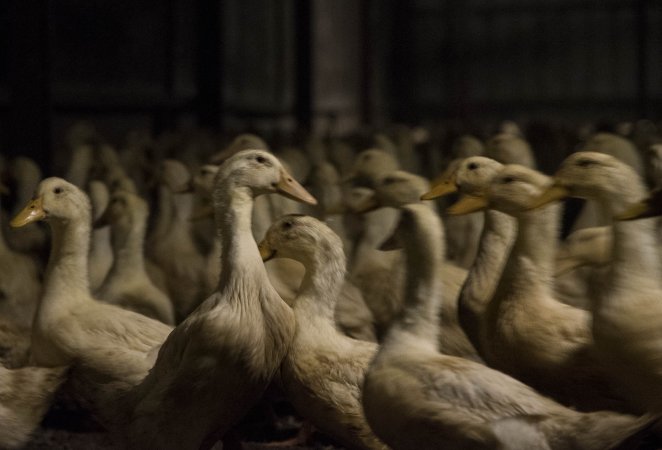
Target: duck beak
x,y
553,193
444,187
33,212
291,188
202,213
468,204
266,253
639,210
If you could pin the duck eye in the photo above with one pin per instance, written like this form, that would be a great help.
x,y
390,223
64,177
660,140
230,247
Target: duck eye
x,y
57,190
287,225
261,159
389,180
472,166
507,180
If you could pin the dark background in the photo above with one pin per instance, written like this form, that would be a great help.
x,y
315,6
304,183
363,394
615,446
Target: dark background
x,y
282,65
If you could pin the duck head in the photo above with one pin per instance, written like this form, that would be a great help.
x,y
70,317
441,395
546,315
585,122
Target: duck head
x,y
262,173
55,199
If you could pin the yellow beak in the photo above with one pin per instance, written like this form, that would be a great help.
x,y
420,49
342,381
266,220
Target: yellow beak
x,y
266,253
289,187
638,210
32,212
444,187
553,193
468,204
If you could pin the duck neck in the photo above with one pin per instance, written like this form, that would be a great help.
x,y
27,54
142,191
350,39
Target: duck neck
x,y
128,248
240,258
419,318
164,213
536,241
67,270
496,241
530,265
182,208
635,257
321,286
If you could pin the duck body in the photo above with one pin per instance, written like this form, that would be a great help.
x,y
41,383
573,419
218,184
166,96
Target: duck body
x,y
217,363
626,311
448,402
323,371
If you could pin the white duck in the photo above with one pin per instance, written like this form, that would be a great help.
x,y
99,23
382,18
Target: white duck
x,y
69,322
127,284
626,309
323,371
472,176
110,348
233,343
172,246
394,190
416,398
101,252
529,334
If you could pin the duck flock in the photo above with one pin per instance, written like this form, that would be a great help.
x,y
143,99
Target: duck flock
x,y
176,289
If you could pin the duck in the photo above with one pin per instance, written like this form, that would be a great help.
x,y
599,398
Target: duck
x,y
127,283
101,251
393,190
234,342
529,334
26,174
25,396
69,321
581,260
415,397
322,373
509,148
471,177
592,215
172,235
626,313
463,231
20,287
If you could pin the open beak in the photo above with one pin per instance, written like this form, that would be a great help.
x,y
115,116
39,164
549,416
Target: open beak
x,y
33,212
468,204
639,210
291,188
553,193
444,187
266,253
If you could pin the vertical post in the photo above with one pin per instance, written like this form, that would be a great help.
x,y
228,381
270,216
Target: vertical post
x,y
642,55
366,100
29,127
304,63
209,80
